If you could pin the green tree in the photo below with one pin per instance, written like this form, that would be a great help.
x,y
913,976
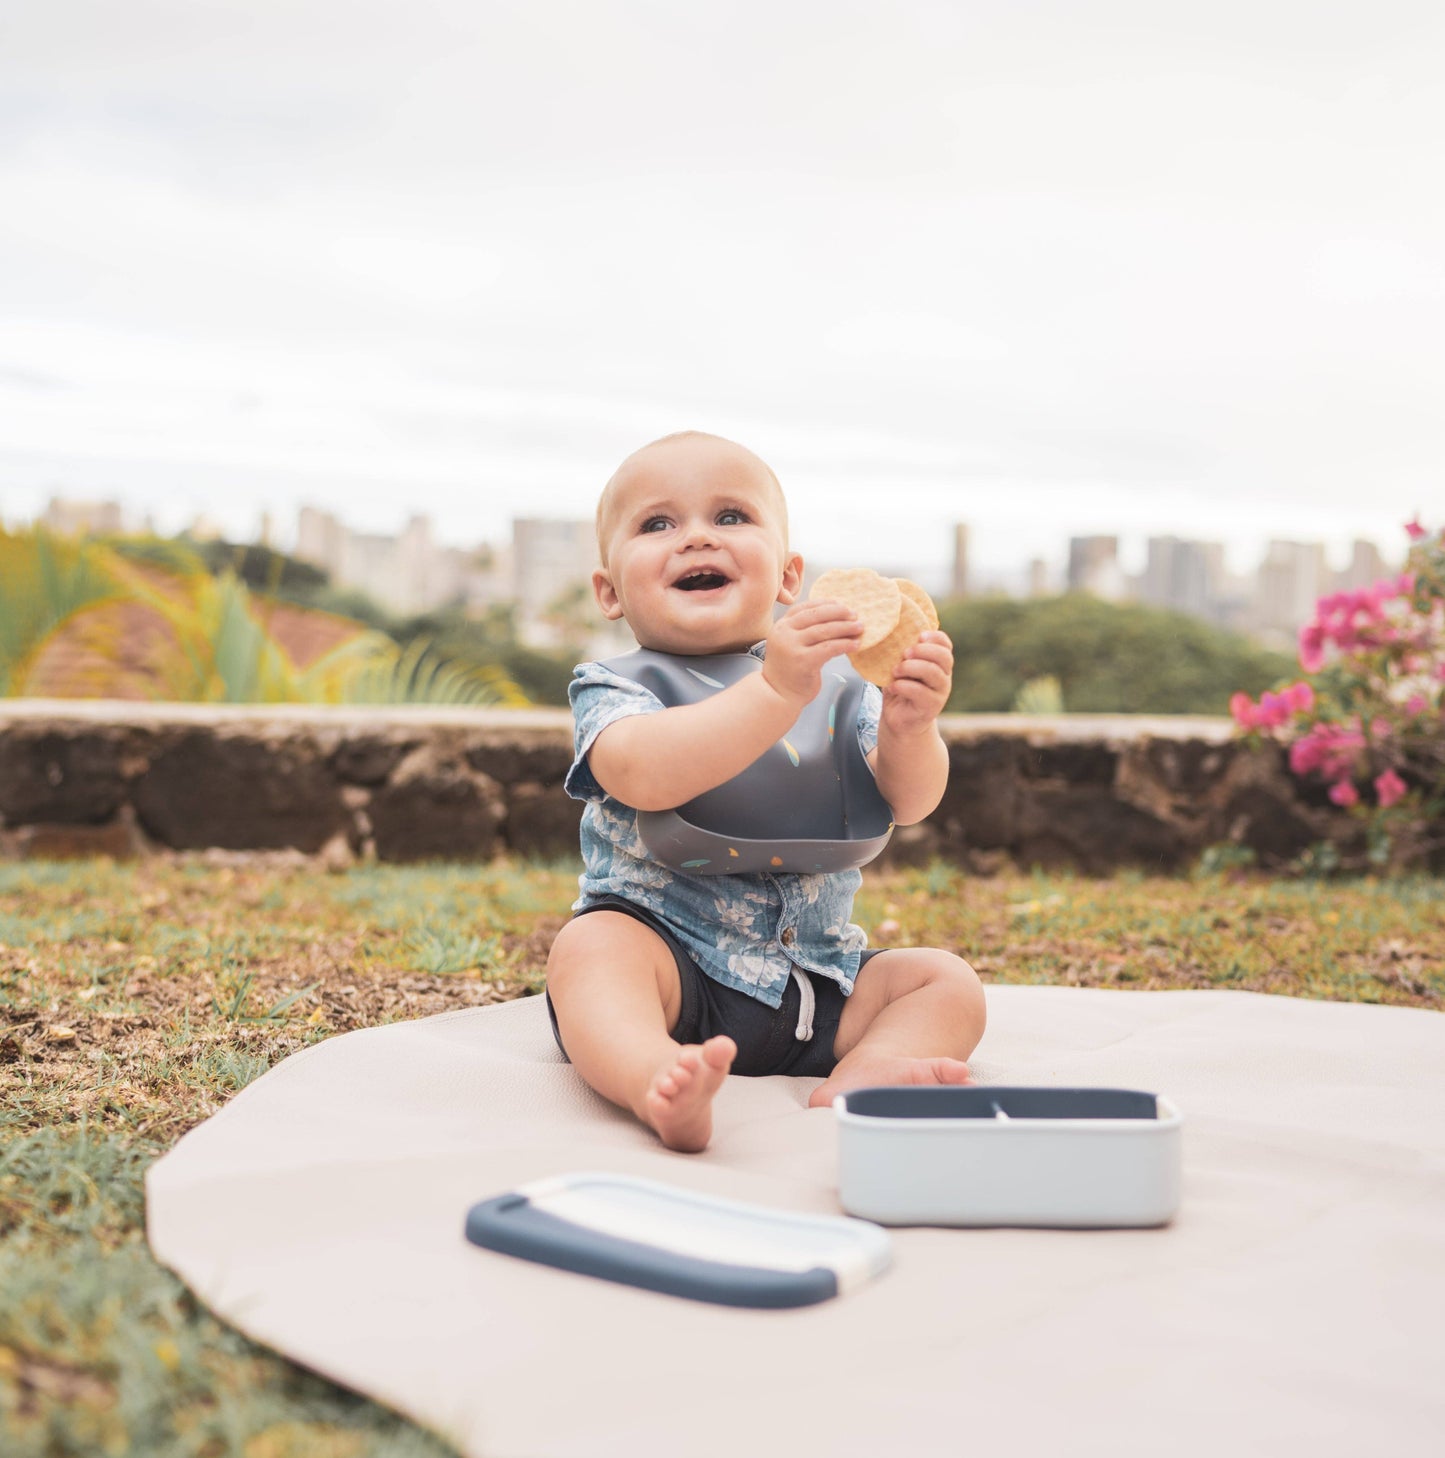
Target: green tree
x,y
1107,657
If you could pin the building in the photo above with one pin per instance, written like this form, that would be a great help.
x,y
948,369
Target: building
x,y
83,518
1292,577
958,584
552,566
406,574
1365,569
1094,568
1186,576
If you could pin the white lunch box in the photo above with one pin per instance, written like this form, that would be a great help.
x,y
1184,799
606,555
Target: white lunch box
x,y
979,1155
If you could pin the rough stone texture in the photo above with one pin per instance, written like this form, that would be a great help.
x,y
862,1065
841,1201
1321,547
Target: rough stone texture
x,y
239,793
120,838
1089,827
436,808
531,758
368,759
542,821
440,817
980,807
51,775
1094,792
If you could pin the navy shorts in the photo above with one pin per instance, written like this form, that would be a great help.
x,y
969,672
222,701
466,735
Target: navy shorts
x,y
766,1036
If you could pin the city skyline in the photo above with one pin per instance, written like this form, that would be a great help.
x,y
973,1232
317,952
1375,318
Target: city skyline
x,y
1053,270
542,560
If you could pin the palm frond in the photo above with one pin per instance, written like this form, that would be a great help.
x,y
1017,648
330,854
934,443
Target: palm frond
x,y
44,581
421,674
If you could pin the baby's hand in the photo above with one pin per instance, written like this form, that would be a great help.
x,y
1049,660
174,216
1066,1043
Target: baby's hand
x,y
920,686
802,641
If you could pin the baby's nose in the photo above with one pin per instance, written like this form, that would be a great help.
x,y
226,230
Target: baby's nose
x,y
700,534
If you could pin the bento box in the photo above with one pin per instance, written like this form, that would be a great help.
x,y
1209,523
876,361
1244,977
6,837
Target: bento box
x,y
981,1155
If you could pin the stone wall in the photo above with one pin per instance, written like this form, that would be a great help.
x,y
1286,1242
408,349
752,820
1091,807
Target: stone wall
x,y
403,784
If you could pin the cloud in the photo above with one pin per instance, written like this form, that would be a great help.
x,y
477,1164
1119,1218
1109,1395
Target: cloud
x,y
1037,265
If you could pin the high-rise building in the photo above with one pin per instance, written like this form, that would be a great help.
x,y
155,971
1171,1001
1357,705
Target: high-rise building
x,y
1094,567
958,585
1292,578
319,540
1366,568
1184,575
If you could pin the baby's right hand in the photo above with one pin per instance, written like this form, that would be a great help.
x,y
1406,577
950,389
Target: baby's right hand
x,y
802,641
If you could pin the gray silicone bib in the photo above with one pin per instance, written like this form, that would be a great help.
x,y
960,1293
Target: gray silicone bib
x,y
808,804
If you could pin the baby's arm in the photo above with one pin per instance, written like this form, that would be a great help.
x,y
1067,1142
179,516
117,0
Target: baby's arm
x,y
662,760
911,761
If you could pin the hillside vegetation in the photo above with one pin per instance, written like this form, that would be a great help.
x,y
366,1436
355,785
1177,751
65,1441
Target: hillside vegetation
x,y
1105,657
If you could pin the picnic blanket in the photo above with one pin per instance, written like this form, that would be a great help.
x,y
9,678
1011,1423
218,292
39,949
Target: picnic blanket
x,y
1294,1305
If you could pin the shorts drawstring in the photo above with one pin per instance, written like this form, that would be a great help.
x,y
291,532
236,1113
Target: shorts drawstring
x,y
806,1003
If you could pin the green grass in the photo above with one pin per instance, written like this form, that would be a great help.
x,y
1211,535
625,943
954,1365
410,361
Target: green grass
x,y
136,999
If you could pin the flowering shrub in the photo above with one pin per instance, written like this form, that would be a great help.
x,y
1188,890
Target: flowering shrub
x,y
1367,718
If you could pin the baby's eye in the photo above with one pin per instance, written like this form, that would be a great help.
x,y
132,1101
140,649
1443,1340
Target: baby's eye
x,y
654,524
731,517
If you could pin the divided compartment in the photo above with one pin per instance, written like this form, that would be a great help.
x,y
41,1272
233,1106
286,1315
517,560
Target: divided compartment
x,y
1032,1156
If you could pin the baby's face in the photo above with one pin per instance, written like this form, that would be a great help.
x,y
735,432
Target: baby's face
x,y
694,542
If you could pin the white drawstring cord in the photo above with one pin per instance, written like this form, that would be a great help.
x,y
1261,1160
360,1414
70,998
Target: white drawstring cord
x,y
806,1003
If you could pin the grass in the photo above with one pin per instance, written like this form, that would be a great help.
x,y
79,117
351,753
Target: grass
x,y
136,999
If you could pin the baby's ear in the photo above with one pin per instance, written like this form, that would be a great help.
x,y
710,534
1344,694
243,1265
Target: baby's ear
x,y
606,595
792,580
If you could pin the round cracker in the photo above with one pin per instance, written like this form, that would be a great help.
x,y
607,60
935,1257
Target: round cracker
x,y
877,600
877,663
914,593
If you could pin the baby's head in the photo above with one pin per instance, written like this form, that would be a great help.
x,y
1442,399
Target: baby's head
x,y
692,532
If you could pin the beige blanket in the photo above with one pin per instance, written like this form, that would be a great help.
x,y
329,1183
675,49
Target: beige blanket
x,y
1295,1306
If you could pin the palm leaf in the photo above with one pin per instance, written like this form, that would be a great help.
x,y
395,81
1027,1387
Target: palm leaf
x,y
376,671
44,582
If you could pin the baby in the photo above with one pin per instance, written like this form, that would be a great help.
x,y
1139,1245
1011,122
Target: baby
x,y
668,978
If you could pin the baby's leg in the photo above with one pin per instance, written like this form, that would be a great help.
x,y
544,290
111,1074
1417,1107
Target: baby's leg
x,y
915,1014
615,990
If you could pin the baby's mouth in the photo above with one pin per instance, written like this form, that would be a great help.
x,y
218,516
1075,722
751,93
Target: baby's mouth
x,y
701,582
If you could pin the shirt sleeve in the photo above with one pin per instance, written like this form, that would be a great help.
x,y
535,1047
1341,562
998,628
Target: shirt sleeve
x,y
870,710
599,697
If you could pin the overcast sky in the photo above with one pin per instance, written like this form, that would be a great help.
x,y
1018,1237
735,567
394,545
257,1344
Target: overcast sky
x,y
1047,268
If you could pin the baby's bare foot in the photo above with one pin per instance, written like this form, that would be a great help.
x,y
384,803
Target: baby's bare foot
x,y
886,1072
678,1102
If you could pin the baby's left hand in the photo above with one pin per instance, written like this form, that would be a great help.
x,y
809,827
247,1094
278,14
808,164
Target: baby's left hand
x,y
921,683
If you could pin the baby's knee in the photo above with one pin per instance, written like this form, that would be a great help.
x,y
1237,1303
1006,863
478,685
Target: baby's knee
x,y
960,983
571,957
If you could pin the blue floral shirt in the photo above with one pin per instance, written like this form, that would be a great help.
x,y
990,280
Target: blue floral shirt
x,y
745,931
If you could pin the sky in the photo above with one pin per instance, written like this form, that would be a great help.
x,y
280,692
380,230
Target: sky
x,y
1047,267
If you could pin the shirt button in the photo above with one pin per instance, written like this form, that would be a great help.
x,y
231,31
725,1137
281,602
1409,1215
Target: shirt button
x,y
789,936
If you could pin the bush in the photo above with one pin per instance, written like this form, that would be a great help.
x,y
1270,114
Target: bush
x,y
1106,657
1366,718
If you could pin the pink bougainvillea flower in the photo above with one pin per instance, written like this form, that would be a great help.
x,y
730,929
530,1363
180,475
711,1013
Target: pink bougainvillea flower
x,y
1273,711
1305,754
1343,792
1300,697
1415,705
1312,647
1241,707
1414,530
1389,788
1328,748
